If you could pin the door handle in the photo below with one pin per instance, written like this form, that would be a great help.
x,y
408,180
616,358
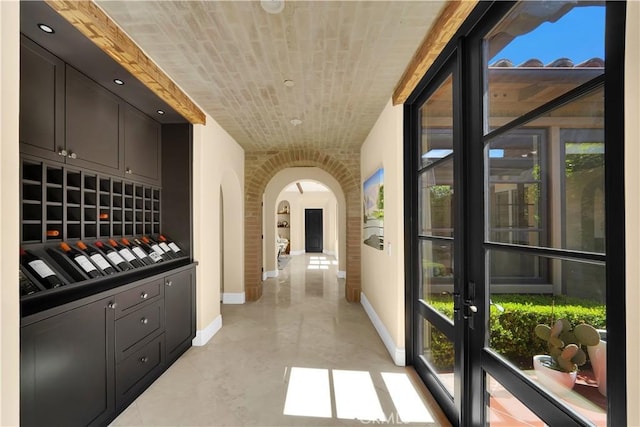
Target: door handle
x,y
469,309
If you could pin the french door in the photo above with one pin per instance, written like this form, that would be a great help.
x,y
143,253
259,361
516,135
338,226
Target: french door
x,y
514,202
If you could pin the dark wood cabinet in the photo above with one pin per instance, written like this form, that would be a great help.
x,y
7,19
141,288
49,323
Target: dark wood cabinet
x,y
66,369
93,125
179,300
42,77
141,146
92,168
82,362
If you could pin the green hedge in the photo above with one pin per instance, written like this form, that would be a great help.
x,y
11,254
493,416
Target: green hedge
x,y
512,330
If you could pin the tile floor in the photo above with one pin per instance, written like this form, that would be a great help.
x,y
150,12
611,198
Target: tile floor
x,y
242,376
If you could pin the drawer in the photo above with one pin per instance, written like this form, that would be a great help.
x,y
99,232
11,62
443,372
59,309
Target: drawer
x,y
137,370
129,300
135,326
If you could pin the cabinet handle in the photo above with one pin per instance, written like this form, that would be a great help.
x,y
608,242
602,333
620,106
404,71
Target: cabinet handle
x,y
144,359
144,295
62,152
72,155
169,283
144,320
112,305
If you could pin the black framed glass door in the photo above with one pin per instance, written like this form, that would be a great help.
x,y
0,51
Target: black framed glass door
x,y
515,208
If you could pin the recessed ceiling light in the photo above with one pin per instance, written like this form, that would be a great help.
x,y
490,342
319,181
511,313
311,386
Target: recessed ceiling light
x,y
160,112
47,29
296,122
118,82
289,83
272,6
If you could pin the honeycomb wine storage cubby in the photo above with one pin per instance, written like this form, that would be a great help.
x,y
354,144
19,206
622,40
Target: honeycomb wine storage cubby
x,y
60,203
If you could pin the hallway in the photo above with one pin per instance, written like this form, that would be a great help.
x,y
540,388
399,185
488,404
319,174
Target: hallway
x,y
252,372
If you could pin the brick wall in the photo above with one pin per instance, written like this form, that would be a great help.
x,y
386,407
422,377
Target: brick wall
x,y
260,167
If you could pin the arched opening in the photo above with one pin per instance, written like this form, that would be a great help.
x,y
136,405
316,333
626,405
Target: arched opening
x,y
287,188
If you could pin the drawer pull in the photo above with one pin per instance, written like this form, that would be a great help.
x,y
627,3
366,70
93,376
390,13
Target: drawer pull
x,y
144,320
144,295
112,305
144,359
169,283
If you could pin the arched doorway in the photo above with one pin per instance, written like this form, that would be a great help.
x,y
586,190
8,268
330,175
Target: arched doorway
x,y
331,198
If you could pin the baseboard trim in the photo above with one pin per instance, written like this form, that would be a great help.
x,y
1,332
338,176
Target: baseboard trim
x,y
397,353
274,273
328,252
203,336
233,298
264,276
296,252
342,274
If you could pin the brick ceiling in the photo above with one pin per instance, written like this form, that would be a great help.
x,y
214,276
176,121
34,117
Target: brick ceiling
x,y
232,58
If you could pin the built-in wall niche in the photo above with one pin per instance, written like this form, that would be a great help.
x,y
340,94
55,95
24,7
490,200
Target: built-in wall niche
x,y
283,227
60,203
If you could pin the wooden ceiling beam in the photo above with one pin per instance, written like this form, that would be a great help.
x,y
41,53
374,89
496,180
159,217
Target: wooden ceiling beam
x,y
96,25
454,13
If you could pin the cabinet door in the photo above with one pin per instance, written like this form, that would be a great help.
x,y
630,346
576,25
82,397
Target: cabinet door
x,y
67,368
141,146
180,325
93,125
41,102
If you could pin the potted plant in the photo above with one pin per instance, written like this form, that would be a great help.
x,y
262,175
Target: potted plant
x,y
598,358
557,371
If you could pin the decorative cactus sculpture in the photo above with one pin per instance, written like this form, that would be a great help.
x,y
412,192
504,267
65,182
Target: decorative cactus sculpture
x,y
565,344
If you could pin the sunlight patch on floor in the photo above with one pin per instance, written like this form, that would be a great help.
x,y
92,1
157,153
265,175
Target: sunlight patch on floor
x,y
308,393
406,399
354,396
318,263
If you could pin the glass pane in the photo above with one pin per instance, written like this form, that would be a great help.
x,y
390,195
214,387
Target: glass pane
x,y
574,291
584,189
436,122
435,204
539,51
546,179
504,410
439,353
437,275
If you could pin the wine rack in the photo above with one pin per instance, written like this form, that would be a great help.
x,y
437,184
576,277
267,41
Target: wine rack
x,y
62,203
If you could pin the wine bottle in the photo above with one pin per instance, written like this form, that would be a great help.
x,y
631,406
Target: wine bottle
x,y
80,259
175,249
167,253
97,258
155,255
40,270
170,244
138,251
114,256
126,254
27,287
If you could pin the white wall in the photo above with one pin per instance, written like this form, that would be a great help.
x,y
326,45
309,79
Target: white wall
x,y
217,161
383,271
311,200
9,213
632,200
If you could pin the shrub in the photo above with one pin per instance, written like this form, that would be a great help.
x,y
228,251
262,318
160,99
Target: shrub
x,y
512,331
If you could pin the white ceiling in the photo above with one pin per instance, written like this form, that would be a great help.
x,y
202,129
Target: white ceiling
x,y
307,187
232,58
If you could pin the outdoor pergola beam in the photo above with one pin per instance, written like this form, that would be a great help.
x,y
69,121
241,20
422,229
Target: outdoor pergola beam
x,y
96,25
446,25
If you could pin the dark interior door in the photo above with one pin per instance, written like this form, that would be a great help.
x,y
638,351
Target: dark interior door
x,y
313,230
